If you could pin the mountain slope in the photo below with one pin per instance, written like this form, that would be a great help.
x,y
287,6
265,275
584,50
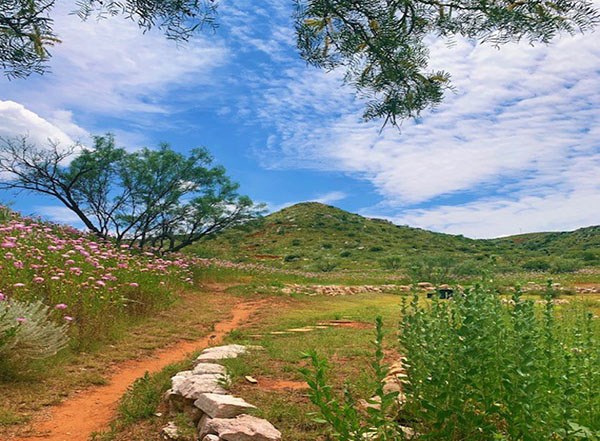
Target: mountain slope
x,y
314,236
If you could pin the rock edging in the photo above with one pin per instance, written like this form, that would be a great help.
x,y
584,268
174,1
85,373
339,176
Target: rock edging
x,y
218,416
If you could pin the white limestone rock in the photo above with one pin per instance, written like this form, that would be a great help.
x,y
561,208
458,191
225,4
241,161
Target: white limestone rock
x,y
241,428
170,432
202,425
218,353
209,368
222,406
179,377
193,386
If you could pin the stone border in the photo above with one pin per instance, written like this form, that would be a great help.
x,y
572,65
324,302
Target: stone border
x,y
218,416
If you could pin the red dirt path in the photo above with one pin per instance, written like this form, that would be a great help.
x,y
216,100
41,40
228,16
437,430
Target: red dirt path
x,y
91,411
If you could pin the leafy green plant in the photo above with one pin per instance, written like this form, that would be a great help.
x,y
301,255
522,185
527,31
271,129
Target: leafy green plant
x,y
560,265
326,265
342,414
391,262
537,264
434,268
292,258
479,369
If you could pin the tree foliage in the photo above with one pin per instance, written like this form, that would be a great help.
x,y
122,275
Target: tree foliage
x,y
26,26
380,44
158,198
25,35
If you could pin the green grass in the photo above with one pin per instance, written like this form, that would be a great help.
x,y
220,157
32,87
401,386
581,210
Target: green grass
x,y
348,349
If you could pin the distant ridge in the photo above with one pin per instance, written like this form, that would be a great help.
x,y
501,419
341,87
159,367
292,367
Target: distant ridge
x,y
315,236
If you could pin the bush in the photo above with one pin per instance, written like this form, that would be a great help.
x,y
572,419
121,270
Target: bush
x,y
538,264
345,253
434,269
392,262
292,258
481,370
590,256
469,268
27,332
565,266
326,265
346,421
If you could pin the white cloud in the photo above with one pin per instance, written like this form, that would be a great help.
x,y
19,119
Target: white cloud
x,y
326,198
110,67
503,217
522,128
331,197
58,214
16,120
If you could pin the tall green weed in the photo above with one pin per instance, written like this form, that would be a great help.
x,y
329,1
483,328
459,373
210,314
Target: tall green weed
x,y
479,368
482,369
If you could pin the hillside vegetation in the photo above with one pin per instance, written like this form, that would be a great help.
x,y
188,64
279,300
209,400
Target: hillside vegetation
x,y
317,237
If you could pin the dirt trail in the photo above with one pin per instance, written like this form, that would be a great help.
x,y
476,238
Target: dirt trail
x,y
92,410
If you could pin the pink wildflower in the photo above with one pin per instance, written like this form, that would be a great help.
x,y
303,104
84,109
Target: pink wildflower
x,y
61,306
68,318
21,319
38,279
18,285
135,285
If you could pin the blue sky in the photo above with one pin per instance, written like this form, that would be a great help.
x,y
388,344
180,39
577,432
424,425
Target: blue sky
x,y
515,148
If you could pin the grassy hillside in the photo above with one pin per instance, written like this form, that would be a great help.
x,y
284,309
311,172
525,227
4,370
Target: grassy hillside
x,y
318,237
583,243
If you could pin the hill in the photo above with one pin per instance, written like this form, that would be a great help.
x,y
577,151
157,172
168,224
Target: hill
x,y
581,242
314,236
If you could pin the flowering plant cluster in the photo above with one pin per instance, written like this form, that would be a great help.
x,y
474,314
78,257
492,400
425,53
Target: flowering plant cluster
x,y
87,283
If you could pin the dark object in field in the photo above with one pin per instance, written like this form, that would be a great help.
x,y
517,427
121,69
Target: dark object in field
x,y
442,293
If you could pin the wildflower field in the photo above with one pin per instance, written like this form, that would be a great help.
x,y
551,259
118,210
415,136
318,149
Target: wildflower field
x,y
57,279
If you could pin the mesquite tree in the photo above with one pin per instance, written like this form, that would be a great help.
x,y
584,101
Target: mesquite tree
x,y
149,198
